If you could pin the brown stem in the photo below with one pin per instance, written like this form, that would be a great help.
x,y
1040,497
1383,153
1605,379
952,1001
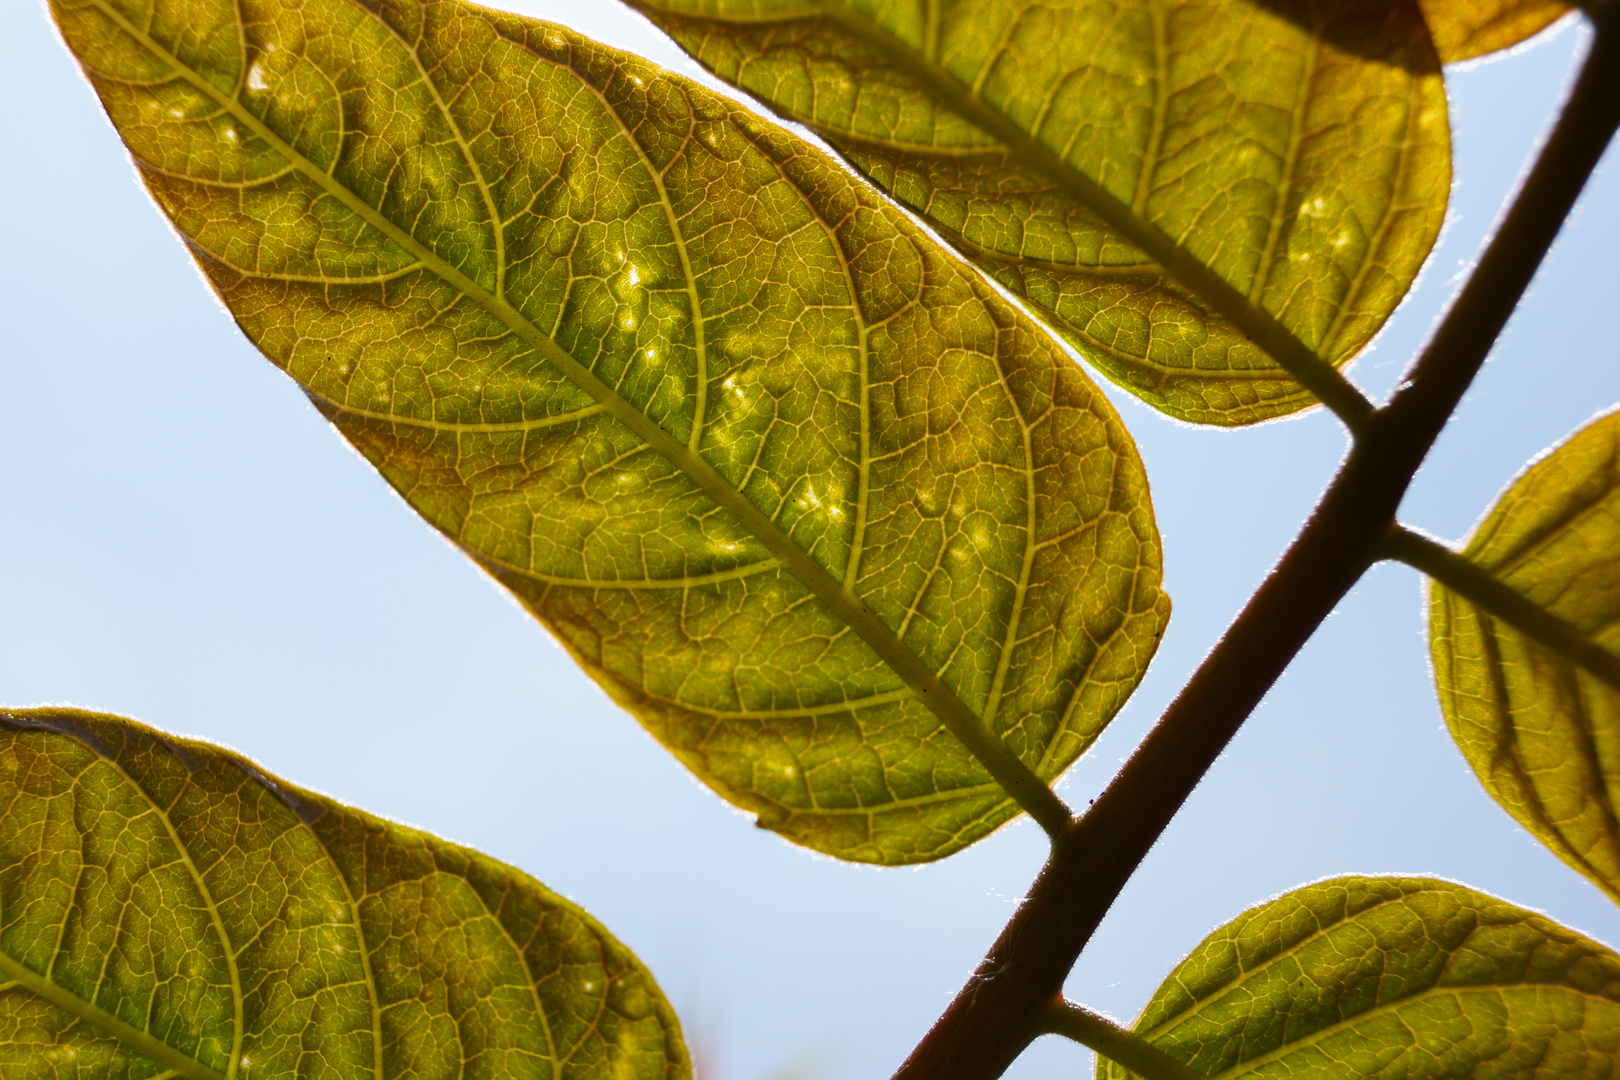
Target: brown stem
x,y
985,1027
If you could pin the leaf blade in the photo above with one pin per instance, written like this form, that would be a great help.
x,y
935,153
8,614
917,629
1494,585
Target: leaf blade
x,y
1542,734
1414,977
858,458
339,943
1075,85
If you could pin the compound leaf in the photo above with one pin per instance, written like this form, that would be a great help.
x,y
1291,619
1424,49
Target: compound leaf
x,y
1389,977
1542,734
1464,29
168,909
1165,182
799,489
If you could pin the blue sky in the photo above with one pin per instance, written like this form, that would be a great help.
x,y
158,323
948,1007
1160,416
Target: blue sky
x,y
188,543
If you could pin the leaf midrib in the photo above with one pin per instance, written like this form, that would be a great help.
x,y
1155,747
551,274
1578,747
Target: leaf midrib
x,y
1259,325
1015,777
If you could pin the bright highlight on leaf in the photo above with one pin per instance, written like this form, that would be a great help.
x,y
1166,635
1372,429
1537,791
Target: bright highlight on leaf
x,y
1464,29
169,910
1298,149
1389,977
796,487
1544,735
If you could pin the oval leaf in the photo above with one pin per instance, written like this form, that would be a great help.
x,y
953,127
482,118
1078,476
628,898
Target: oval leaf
x,y
1389,977
794,485
1307,168
165,905
1543,735
1464,29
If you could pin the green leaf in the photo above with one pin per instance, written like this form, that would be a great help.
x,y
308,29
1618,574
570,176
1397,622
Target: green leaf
x,y
795,486
168,909
1464,29
1166,183
1543,734
1389,977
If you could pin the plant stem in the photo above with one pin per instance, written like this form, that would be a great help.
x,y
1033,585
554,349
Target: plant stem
x,y
982,1031
1475,584
1115,1043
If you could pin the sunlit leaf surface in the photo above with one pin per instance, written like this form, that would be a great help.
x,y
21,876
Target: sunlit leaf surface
x,y
165,905
1464,29
1298,148
1543,735
786,478
1389,977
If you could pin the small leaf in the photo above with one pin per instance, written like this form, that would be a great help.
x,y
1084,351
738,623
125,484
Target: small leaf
x,y
1307,168
1389,977
793,484
1464,29
1544,735
166,905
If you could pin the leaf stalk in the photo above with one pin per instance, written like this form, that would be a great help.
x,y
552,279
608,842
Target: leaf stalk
x,y
1469,580
981,1033
1115,1043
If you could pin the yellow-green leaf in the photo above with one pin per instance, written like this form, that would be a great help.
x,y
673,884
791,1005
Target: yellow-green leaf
x,y
1464,29
1544,735
1101,158
168,909
793,484
1408,978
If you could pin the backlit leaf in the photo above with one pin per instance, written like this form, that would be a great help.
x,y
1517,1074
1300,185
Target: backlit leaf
x,y
1543,735
1308,168
793,484
1389,977
165,905
1464,29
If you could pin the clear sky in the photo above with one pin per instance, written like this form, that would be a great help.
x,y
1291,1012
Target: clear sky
x,y
186,542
